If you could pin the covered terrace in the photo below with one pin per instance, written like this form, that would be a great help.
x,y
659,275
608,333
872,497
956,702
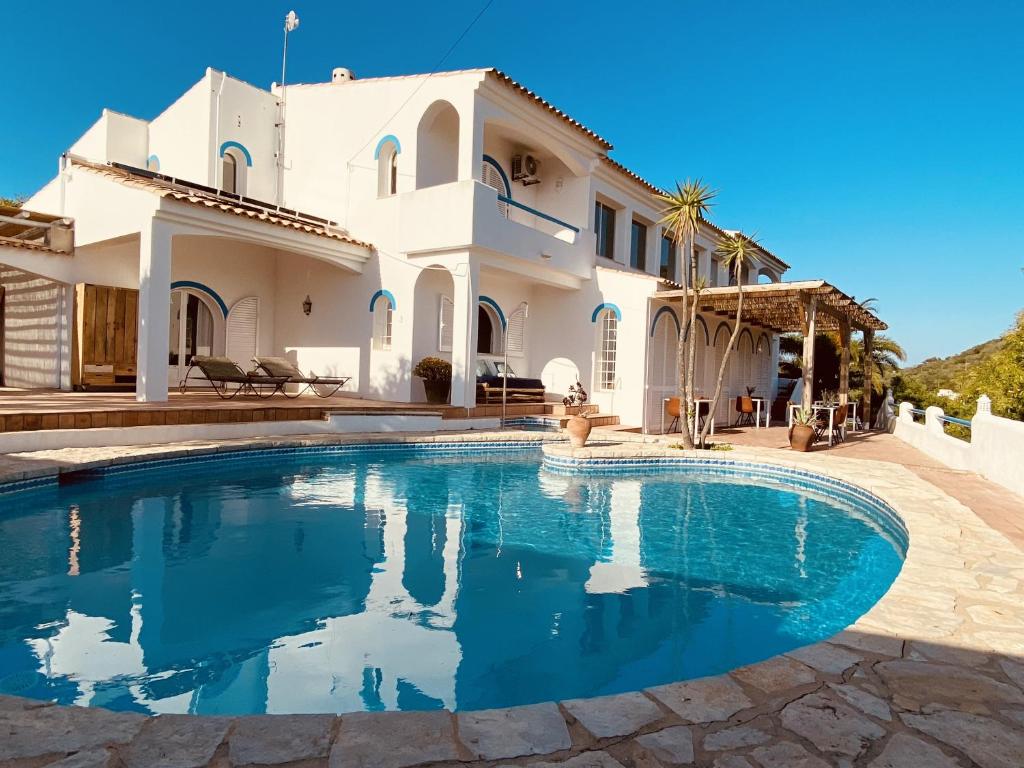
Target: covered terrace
x,y
807,307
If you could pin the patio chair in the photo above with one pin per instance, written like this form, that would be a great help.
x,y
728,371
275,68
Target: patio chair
x,y
280,366
839,423
222,372
745,408
674,409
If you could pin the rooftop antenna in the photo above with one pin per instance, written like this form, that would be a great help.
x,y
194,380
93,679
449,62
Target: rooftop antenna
x,y
291,23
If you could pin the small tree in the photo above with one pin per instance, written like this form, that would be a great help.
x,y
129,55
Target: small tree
x,y
682,212
735,252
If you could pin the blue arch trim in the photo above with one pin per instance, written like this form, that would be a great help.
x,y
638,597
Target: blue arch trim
x,y
204,289
494,305
665,311
497,166
152,159
601,307
229,144
380,145
386,294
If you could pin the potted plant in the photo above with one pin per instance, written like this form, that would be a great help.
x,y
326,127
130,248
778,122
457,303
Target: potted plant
x,y
437,378
801,433
578,425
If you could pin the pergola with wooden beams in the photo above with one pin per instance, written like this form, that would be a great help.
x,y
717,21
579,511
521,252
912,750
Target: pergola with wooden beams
x,y
807,307
29,229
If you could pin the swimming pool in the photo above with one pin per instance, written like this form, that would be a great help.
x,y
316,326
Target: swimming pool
x,y
416,577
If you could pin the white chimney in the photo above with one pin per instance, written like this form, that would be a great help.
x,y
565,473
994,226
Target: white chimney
x,y
342,75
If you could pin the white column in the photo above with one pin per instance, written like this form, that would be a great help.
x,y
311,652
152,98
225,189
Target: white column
x,y
471,145
467,292
154,312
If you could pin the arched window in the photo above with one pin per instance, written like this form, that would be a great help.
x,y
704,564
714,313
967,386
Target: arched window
x,y
607,348
234,159
383,315
387,169
229,173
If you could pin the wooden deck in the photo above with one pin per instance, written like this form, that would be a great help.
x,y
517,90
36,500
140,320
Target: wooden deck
x,y
25,409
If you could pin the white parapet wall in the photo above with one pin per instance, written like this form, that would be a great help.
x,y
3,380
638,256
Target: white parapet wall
x,y
995,449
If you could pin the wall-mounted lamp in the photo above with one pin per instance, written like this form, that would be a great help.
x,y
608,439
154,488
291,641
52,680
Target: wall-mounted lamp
x,y
307,305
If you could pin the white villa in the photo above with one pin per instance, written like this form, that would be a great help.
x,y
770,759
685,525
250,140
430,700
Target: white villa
x,y
359,225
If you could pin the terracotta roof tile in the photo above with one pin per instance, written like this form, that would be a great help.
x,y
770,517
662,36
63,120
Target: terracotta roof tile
x,y
501,76
193,194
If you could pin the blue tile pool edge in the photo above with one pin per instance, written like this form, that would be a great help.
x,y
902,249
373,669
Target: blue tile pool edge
x,y
879,510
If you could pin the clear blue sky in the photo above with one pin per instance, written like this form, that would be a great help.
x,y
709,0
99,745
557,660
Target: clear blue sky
x,y
877,145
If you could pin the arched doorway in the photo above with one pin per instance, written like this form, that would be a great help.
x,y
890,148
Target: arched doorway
x,y
489,333
663,370
437,146
196,328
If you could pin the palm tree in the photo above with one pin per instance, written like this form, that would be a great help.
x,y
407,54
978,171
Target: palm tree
x,y
735,252
682,211
886,357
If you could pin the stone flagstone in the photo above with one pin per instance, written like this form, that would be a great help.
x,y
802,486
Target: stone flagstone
x,y
733,738
586,760
989,743
906,751
280,739
774,675
501,734
672,745
58,731
176,741
830,726
608,716
394,739
786,754
706,700
825,657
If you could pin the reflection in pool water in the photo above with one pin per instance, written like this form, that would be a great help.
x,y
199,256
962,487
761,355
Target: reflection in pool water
x,y
385,580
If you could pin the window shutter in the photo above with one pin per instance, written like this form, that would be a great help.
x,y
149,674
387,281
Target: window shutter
x,y
444,325
242,330
515,334
493,179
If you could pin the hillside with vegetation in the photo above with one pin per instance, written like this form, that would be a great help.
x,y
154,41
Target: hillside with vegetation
x,y
995,368
937,373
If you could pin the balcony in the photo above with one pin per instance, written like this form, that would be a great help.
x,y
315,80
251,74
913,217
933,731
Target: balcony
x,y
468,214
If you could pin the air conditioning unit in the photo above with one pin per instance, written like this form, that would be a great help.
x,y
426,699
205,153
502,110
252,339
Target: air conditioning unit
x,y
525,169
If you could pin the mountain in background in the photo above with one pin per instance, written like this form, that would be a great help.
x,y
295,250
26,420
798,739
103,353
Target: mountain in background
x,y
937,373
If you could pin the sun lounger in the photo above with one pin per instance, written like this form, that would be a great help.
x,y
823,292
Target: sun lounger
x,y
321,386
228,380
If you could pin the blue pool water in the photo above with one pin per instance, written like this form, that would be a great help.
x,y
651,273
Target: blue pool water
x,y
401,579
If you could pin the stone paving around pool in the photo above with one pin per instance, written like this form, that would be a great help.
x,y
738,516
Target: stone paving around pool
x,y
931,677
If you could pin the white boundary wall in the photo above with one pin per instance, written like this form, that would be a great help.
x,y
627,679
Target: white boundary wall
x,y
995,451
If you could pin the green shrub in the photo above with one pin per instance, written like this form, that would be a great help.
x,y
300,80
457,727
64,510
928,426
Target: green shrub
x,y
433,369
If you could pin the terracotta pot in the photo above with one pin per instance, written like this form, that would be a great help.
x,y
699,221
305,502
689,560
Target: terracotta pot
x,y
437,391
801,437
578,428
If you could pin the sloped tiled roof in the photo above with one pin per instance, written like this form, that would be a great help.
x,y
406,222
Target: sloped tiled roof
x,y
196,194
502,77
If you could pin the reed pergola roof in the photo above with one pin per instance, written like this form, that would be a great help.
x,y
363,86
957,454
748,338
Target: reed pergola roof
x,y
780,307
